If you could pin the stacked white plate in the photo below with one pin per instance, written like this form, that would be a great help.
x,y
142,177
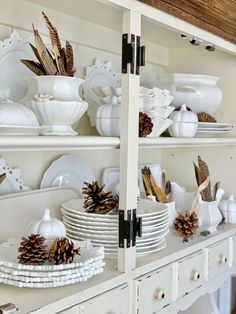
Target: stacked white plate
x,y
103,229
87,264
207,129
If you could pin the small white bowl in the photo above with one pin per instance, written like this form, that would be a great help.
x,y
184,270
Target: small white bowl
x,y
158,112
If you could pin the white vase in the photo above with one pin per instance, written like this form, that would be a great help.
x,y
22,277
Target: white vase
x,y
63,88
209,216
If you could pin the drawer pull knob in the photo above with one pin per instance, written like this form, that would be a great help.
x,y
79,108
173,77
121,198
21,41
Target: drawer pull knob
x,y
159,294
223,259
195,276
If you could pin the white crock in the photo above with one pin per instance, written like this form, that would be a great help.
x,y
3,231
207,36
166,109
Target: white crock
x,y
199,92
63,88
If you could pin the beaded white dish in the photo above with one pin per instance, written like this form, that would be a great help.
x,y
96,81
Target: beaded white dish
x,y
13,182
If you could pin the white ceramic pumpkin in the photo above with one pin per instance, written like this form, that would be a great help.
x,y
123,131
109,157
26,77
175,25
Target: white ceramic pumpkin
x,y
184,123
48,227
108,120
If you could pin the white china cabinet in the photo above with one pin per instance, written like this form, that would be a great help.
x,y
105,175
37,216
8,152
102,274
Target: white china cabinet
x,y
172,279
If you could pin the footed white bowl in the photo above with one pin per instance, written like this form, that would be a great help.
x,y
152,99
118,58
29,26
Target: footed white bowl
x,y
57,117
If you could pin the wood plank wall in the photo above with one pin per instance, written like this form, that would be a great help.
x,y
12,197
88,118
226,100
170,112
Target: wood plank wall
x,y
215,16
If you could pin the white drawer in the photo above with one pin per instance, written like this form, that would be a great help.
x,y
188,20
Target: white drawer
x,y
154,290
218,258
191,273
115,301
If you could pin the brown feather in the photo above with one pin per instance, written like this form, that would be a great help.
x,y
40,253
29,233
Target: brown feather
x,y
69,60
53,33
44,55
2,177
204,173
34,66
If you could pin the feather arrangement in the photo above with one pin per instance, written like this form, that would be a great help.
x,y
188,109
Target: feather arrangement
x,y
152,189
58,62
2,177
202,175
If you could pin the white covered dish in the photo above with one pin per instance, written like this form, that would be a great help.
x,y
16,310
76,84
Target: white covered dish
x,y
15,114
199,92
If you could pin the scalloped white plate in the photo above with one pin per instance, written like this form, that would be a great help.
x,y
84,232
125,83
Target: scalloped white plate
x,y
68,170
12,71
89,254
98,75
13,182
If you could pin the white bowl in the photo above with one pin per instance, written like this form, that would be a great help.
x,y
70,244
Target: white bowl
x,y
199,92
15,114
63,88
158,112
57,117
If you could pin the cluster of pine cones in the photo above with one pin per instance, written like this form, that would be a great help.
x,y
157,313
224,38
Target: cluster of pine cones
x,y
34,251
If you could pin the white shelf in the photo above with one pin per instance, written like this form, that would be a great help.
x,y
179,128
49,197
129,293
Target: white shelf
x,y
54,143
165,142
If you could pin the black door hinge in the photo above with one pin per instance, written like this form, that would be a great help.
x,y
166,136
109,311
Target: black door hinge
x,y
129,55
129,229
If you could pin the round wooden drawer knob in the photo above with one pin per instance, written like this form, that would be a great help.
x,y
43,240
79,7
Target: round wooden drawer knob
x,y
195,276
159,294
223,259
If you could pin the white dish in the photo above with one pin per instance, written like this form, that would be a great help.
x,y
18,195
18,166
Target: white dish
x,y
16,114
156,248
19,130
98,75
95,224
89,254
114,232
13,182
210,133
208,125
146,208
201,92
22,284
12,70
68,170
158,112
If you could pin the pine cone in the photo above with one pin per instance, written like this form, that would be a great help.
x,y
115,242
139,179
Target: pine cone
x,y
205,117
116,202
62,251
186,224
145,124
33,250
96,200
